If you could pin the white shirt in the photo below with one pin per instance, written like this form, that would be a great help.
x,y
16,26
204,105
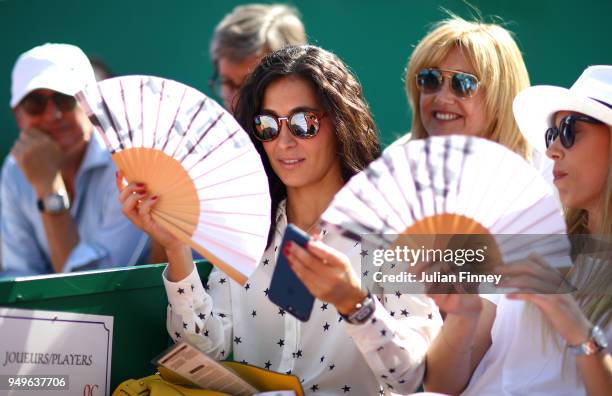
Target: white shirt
x,y
331,357
523,358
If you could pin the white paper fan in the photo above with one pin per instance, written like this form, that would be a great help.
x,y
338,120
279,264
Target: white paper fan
x,y
452,185
212,187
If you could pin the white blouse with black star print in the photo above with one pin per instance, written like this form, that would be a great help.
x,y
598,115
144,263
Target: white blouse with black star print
x,y
383,356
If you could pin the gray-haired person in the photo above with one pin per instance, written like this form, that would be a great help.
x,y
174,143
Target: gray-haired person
x,y
243,37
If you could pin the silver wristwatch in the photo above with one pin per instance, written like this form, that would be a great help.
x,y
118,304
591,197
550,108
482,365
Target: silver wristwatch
x,y
596,343
362,312
54,203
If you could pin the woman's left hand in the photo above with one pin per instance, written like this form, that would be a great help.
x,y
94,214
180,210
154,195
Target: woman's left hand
x,y
546,287
326,273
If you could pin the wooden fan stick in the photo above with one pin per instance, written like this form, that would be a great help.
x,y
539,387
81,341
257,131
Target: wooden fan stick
x,y
452,231
213,259
182,222
184,146
186,196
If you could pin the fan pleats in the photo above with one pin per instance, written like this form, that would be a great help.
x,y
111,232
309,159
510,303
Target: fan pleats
x,y
450,186
212,187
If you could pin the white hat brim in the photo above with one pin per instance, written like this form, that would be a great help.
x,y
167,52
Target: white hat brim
x,y
535,106
46,81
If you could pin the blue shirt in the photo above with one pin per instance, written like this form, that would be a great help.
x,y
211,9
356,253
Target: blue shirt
x,y
106,237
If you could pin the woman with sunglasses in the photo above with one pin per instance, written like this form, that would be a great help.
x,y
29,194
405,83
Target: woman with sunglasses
x,y
559,342
461,79
573,127
308,120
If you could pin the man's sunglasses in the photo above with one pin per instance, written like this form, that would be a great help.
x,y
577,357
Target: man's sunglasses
x,y
430,80
567,130
35,104
302,124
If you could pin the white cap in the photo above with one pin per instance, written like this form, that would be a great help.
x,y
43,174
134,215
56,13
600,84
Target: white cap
x,y
535,107
60,67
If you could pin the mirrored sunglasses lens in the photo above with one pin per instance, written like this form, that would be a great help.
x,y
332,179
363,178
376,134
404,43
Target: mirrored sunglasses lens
x,y
304,124
464,85
429,80
266,127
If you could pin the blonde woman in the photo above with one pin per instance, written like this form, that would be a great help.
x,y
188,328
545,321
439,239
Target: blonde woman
x,y
461,78
558,343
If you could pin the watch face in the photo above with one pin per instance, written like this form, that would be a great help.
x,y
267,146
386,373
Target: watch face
x,y
55,203
363,313
599,337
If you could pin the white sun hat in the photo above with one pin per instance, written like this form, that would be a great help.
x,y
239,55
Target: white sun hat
x,y
535,107
60,67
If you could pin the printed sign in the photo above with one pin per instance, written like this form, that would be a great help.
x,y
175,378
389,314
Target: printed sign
x,y
42,351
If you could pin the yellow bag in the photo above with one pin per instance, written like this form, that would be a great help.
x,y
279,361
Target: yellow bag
x,y
167,383
155,385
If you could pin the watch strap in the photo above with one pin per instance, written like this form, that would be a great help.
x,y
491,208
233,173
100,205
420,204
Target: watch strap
x,y
596,343
40,204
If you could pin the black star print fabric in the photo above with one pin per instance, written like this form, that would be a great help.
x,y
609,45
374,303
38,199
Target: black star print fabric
x,y
329,356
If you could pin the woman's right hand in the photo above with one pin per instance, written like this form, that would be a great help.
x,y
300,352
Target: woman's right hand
x,y
451,298
136,205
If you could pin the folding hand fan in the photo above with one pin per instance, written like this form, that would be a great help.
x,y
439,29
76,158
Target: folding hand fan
x,y
212,187
448,186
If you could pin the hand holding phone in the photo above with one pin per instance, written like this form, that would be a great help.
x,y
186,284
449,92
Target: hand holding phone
x,y
286,289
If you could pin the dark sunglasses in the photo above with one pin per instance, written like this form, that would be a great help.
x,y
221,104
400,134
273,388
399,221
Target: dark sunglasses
x,y
463,85
302,124
35,104
567,130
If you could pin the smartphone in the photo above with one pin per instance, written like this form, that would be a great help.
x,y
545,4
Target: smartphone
x,y
286,289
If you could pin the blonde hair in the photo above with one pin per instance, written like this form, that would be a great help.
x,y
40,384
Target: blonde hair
x,y
594,282
499,67
591,273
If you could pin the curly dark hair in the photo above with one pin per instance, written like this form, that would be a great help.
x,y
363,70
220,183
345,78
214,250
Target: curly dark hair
x,y
338,92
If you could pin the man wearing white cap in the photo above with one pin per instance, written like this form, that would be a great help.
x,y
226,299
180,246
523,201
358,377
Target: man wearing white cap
x,y
60,210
